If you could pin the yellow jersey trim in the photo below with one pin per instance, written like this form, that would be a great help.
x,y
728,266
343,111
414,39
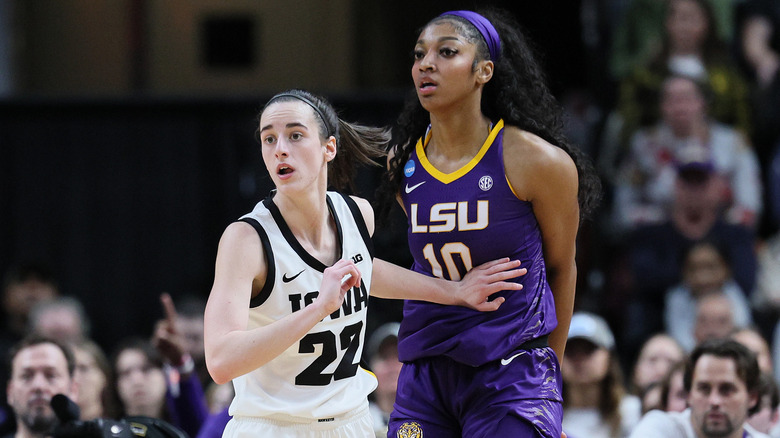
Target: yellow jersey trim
x,y
447,178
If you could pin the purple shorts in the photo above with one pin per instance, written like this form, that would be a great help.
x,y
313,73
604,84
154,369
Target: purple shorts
x,y
519,396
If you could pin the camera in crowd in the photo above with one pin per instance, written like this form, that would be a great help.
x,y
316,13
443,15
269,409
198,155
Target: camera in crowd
x,y
70,426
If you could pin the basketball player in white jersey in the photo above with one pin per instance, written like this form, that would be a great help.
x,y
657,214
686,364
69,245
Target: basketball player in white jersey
x,y
285,320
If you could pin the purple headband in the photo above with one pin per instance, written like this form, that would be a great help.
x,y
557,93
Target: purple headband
x,y
485,27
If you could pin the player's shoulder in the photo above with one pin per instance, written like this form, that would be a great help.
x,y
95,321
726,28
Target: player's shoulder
x,y
367,211
532,146
530,154
240,236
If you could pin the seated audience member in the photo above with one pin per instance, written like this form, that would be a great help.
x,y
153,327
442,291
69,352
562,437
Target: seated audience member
x,y
93,377
667,394
766,417
139,379
721,379
382,353
705,272
654,255
40,369
752,339
758,50
185,398
62,318
674,398
657,355
142,391
714,318
596,404
189,311
24,286
688,140
651,397
690,46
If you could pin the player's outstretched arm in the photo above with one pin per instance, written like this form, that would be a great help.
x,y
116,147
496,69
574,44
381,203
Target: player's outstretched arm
x,y
392,281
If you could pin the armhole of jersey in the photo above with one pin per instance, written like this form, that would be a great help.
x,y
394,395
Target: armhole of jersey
x,y
500,137
361,223
269,259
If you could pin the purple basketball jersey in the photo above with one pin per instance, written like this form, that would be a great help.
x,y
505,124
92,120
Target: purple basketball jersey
x,y
461,220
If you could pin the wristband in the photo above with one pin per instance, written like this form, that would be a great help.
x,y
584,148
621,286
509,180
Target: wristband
x,y
187,365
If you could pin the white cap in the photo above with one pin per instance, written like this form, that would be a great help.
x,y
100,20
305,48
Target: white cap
x,y
593,328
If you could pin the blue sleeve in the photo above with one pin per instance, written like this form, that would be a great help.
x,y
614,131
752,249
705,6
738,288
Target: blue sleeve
x,y
187,409
214,425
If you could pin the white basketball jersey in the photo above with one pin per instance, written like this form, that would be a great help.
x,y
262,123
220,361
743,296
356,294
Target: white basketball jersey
x,y
319,376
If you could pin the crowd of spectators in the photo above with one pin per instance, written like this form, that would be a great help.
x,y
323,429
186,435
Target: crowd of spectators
x,y
684,253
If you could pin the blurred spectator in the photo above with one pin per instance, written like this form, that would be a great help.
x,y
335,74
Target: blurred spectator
x,y
758,50
654,257
637,37
24,286
62,318
686,143
640,31
751,338
776,349
721,379
765,300
650,397
596,404
714,318
765,420
667,394
139,379
176,339
142,390
690,46
705,272
40,368
382,352
657,355
93,378
189,324
674,397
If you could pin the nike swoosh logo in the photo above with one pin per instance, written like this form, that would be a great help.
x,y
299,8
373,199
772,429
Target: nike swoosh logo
x,y
507,361
287,279
409,189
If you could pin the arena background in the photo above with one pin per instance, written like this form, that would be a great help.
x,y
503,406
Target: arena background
x,y
126,126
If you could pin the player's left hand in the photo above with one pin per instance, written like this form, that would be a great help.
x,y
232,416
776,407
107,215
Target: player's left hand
x,y
481,282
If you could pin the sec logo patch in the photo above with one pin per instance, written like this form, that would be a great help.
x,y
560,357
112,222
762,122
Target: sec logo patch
x,y
410,430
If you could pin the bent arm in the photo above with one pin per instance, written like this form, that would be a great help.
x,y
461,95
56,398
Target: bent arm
x,y
233,350
546,176
557,210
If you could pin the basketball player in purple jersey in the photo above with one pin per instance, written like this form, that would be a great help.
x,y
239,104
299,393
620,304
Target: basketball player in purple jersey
x,y
483,170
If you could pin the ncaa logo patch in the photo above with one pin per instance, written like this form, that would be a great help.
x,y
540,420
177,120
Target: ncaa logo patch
x,y
410,430
485,183
409,168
